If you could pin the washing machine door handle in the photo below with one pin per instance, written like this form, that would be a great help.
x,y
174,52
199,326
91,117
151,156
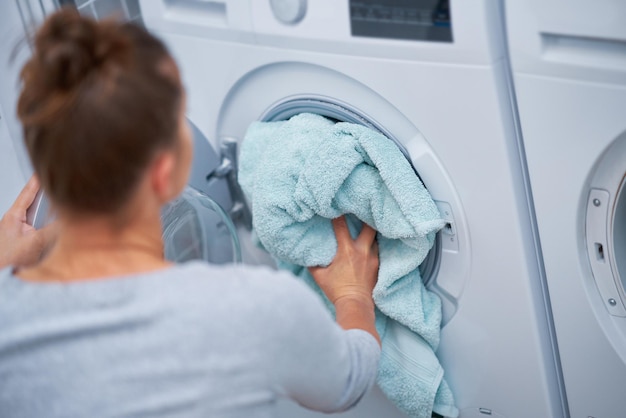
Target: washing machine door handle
x,y
214,173
227,170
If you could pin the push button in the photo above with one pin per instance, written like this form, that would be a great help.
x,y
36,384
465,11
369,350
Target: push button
x,y
289,12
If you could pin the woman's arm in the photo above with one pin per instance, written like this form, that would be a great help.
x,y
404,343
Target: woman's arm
x,y
310,358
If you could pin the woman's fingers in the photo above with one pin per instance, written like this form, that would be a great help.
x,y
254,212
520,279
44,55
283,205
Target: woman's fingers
x,y
367,237
25,198
341,231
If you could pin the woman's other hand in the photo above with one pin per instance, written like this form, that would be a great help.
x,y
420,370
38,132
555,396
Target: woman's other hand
x,y
21,244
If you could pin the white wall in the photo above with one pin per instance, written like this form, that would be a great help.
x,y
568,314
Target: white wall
x,y
11,178
13,168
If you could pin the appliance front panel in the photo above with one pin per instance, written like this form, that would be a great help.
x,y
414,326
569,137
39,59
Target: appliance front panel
x,y
463,113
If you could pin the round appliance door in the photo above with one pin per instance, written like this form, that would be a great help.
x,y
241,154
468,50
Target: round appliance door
x,y
281,90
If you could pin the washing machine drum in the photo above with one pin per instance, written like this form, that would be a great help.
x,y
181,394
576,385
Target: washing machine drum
x,y
340,113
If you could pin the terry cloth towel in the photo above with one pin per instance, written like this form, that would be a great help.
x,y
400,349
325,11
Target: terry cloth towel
x,y
301,173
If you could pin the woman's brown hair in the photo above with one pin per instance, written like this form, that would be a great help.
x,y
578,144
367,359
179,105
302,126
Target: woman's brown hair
x,y
98,100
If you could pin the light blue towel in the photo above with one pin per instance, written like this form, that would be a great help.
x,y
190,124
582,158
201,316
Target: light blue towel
x,y
301,173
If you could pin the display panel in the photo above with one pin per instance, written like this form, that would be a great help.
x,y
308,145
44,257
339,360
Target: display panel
x,y
419,20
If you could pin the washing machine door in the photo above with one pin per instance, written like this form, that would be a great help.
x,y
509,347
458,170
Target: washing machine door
x,y
197,225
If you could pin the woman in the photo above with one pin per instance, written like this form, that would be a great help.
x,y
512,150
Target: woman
x,y
103,325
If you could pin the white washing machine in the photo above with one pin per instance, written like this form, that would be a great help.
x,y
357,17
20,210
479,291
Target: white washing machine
x,y
434,78
569,64
440,89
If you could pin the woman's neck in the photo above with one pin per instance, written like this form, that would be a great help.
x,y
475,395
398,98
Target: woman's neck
x,y
100,246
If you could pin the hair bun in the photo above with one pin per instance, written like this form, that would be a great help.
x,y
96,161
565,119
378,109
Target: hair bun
x,y
69,47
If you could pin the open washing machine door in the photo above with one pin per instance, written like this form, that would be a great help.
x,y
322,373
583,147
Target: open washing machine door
x,y
198,224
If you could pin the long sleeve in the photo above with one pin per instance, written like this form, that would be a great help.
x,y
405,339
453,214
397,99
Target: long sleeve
x,y
193,340
317,363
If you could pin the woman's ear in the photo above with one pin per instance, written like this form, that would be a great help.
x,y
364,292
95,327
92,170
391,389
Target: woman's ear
x,y
163,176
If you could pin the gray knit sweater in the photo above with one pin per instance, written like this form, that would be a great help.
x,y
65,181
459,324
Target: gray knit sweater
x,y
193,340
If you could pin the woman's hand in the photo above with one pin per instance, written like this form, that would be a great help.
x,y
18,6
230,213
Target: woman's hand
x,y
350,278
20,243
354,270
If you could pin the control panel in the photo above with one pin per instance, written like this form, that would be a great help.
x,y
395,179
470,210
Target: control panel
x,y
420,20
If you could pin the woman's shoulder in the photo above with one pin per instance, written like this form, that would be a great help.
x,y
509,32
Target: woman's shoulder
x,y
234,273
260,294
262,282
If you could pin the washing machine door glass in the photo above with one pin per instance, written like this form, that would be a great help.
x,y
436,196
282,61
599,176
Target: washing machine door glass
x,y
195,227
